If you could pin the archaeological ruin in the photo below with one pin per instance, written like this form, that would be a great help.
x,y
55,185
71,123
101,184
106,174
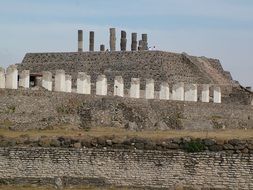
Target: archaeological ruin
x,y
130,88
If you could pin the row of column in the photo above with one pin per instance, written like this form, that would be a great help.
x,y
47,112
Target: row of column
x,y
63,83
142,45
180,91
10,79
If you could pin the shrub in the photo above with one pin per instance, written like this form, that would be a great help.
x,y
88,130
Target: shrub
x,y
194,146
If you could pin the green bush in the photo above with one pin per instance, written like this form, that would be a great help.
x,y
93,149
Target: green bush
x,y
194,146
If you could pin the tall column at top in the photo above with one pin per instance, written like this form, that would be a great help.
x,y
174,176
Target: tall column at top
x,y
144,41
2,78
112,39
92,35
123,41
80,40
134,42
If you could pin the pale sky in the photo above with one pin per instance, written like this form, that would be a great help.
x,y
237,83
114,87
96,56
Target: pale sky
x,y
221,29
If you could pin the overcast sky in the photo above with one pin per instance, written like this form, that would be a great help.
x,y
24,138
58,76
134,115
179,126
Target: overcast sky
x,y
220,29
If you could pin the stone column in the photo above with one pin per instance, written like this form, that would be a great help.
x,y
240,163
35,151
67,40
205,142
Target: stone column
x,y
123,41
178,91
164,91
150,89
191,93
11,77
92,36
60,81
119,86
47,80
140,47
2,78
24,79
205,93
83,83
144,41
217,94
101,85
102,47
112,39
68,83
134,42
80,40
135,88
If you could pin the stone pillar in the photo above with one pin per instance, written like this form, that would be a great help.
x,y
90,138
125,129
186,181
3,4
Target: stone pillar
x,y
150,89
164,91
2,78
205,93
119,86
80,40
47,80
102,47
68,83
134,42
217,94
144,41
123,41
24,79
140,47
83,83
11,77
112,39
135,88
101,85
191,93
92,36
178,91
60,81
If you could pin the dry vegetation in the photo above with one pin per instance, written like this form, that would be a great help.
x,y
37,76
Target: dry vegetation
x,y
121,133
29,187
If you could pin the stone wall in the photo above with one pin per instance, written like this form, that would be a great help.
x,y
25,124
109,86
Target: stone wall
x,y
161,66
28,108
136,168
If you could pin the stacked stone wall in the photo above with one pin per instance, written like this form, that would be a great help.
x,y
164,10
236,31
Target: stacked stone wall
x,y
161,66
137,168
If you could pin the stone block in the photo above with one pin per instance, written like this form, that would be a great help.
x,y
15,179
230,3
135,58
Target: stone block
x,y
119,86
178,91
191,92
83,83
11,77
135,88
68,83
2,78
101,85
47,80
24,79
217,94
150,89
164,93
60,81
205,93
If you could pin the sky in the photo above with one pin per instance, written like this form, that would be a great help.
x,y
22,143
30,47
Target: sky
x,y
221,29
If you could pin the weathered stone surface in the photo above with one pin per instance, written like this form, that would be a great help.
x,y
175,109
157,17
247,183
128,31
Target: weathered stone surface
x,y
138,168
26,109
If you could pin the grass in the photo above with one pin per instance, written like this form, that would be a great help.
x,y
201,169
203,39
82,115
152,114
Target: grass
x,y
122,133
